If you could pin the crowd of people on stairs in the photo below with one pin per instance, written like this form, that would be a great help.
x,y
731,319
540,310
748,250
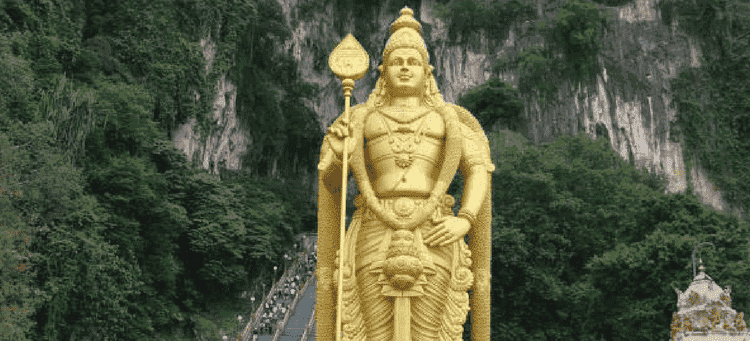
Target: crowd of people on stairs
x,y
275,308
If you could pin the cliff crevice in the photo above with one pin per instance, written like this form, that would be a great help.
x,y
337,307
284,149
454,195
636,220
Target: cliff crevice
x,y
628,103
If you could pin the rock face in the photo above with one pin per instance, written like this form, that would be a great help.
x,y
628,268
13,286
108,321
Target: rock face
x,y
225,142
629,104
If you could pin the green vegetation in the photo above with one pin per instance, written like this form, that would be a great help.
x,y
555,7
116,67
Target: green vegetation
x,y
713,110
18,296
586,247
564,45
108,231
590,250
571,39
565,38
469,20
576,31
495,102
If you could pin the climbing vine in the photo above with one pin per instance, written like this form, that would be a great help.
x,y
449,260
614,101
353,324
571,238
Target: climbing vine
x,y
469,20
565,45
713,110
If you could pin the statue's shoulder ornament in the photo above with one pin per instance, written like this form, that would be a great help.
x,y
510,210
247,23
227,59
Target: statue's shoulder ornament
x,y
476,146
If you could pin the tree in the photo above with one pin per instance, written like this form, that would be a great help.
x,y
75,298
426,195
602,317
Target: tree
x,y
713,113
637,280
18,297
564,47
586,247
495,102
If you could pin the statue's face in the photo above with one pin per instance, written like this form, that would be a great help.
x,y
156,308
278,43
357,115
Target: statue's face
x,y
405,72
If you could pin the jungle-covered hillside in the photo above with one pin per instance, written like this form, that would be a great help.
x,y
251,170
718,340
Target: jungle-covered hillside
x,y
110,233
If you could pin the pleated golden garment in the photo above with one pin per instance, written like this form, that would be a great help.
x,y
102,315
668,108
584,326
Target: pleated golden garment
x,y
377,309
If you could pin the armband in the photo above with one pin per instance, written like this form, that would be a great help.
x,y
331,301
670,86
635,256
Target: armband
x,y
468,216
476,149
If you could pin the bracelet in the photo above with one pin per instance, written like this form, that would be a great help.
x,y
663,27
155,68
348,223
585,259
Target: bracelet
x,y
468,216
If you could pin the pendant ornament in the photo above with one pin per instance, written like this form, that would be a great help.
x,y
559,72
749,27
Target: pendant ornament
x,y
404,207
405,143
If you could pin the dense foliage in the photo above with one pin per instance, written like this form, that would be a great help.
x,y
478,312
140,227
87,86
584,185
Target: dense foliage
x,y
564,38
495,103
563,46
563,41
18,296
469,20
712,101
108,231
586,247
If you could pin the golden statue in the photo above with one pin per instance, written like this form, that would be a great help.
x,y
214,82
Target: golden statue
x,y
406,266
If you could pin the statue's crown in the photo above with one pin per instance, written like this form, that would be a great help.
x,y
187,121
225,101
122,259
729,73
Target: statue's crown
x,y
406,20
406,32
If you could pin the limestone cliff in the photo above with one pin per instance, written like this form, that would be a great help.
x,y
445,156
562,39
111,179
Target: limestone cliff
x,y
225,142
630,104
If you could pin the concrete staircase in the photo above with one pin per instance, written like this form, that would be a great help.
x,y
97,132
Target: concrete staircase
x,y
302,315
298,323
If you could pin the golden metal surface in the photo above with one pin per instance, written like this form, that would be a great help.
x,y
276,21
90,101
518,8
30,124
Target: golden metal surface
x,y
349,62
402,269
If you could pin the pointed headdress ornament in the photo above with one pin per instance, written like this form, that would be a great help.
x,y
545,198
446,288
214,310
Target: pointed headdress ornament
x,y
406,32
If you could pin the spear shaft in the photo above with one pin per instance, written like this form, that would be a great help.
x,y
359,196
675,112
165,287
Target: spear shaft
x,y
349,62
348,86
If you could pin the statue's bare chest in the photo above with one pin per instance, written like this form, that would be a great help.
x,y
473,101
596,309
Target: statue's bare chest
x,y
399,122
404,150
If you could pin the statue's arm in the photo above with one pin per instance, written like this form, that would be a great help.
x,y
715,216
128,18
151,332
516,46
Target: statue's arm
x,y
478,167
332,148
328,160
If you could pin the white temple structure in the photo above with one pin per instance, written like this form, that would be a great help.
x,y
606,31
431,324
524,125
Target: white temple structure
x,y
706,314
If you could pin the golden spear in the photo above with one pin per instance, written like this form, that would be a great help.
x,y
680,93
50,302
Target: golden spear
x,y
349,62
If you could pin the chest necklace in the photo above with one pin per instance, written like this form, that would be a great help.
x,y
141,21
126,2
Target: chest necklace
x,y
404,143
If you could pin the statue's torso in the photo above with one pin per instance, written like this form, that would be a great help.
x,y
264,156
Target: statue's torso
x,y
404,150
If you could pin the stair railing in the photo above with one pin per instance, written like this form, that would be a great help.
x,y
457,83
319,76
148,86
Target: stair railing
x,y
292,308
308,327
257,317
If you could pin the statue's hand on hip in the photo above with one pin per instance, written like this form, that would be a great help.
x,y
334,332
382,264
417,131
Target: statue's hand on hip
x,y
447,230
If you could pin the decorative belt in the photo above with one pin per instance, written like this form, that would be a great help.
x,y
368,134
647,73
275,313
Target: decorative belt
x,y
405,207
